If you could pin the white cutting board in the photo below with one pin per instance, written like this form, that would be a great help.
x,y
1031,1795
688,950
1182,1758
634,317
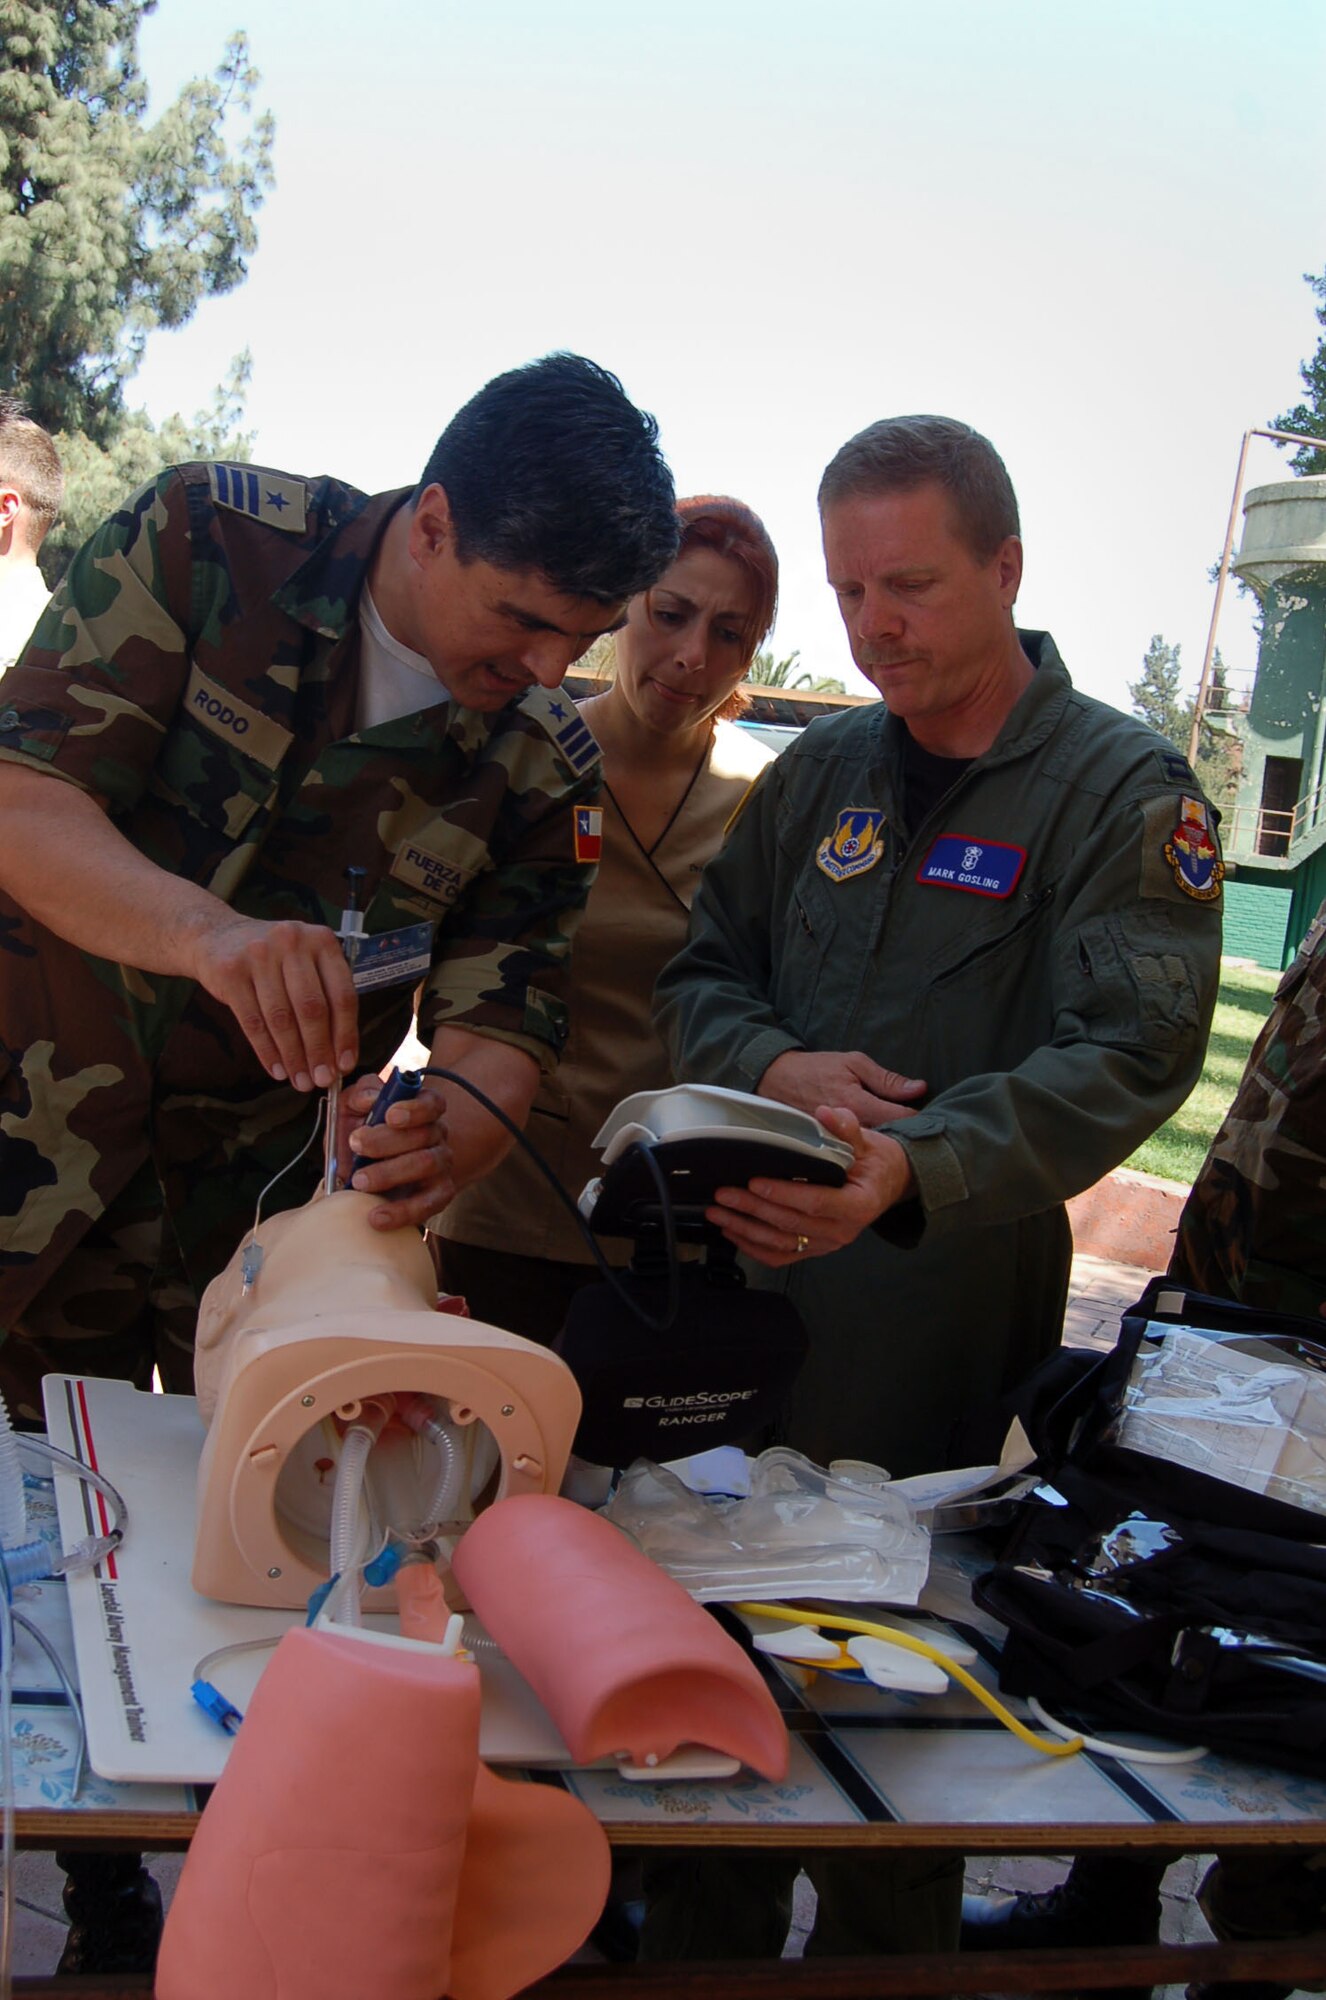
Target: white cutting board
x,y
140,1628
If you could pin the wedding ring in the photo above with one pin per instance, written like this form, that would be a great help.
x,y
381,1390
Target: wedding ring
x,y
803,1244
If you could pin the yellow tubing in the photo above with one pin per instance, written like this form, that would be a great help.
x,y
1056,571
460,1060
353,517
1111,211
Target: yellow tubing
x,y
1049,1746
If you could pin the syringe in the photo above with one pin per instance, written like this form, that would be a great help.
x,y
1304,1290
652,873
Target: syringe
x,y
351,935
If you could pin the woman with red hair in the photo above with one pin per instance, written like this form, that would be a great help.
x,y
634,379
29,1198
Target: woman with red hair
x,y
675,769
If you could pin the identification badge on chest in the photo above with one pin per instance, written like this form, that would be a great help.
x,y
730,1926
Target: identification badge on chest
x,y
978,867
393,958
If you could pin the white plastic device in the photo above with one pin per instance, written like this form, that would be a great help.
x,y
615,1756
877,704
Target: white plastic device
x,y
696,1111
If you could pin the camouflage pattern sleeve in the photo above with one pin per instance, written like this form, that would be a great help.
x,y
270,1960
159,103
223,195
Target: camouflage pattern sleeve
x,y
92,695
1254,1226
502,965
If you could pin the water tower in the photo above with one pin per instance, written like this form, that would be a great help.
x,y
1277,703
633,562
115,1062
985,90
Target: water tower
x,y
1276,835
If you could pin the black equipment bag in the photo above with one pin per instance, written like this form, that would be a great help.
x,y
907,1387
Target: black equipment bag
x,y
718,1375
1155,1596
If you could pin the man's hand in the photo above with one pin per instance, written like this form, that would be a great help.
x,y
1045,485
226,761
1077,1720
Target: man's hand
x,y
289,988
409,1149
809,1078
782,1222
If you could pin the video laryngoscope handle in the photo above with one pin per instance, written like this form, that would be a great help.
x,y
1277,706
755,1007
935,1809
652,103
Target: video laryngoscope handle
x,y
401,1084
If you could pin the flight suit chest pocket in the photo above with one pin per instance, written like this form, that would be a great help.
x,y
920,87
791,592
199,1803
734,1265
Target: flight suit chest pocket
x,y
834,865
972,933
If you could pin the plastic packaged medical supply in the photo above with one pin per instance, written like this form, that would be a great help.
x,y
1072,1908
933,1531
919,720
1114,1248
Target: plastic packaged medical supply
x,y
1241,1408
800,1532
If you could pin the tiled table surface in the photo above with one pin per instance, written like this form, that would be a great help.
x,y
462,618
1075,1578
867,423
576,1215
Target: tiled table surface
x,y
867,1767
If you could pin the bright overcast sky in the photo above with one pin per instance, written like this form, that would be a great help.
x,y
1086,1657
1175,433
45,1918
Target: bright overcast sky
x,y
1081,227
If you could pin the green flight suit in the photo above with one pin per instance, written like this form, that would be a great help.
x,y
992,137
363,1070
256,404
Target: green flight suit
x,y
1043,951
196,674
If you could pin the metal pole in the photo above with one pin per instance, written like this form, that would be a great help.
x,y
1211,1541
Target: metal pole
x,y
1203,685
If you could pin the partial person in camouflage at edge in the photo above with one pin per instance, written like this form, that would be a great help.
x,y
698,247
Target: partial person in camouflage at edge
x,y
1253,1229
245,684
1254,1226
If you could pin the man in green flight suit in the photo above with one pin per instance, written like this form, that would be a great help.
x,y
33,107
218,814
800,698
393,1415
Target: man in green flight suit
x,y
246,684
976,930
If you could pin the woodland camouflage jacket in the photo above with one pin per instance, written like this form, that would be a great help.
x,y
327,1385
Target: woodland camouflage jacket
x,y
196,674
1254,1226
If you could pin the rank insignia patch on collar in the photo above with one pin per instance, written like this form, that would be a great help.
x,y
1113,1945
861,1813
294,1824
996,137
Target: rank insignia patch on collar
x,y
589,833
856,843
980,867
1192,853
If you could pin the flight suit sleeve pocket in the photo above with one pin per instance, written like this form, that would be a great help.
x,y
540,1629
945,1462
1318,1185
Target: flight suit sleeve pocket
x,y
1130,983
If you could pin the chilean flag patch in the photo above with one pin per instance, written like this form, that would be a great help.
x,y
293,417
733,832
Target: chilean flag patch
x,y
589,833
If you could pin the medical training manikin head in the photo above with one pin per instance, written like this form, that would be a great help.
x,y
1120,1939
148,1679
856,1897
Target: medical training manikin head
x,y
317,1319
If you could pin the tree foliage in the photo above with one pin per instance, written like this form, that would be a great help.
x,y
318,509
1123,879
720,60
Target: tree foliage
x,y
1308,418
766,671
98,477
111,226
1157,696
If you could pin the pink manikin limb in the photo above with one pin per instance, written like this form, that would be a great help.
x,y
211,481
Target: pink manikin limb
x,y
619,1655
355,1845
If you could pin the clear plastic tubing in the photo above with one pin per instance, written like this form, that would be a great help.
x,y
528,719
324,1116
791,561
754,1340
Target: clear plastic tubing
x,y
444,1501
347,1501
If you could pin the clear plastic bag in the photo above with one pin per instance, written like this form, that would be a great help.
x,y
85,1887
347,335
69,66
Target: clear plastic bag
x,y
1242,1408
801,1532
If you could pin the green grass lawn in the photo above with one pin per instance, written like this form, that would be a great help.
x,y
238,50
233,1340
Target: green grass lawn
x,y
1177,1150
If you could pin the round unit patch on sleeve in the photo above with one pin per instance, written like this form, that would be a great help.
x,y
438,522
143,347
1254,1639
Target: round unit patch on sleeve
x,y
1180,849
1193,854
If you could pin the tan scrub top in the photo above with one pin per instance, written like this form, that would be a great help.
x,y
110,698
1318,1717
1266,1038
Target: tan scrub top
x,y
635,922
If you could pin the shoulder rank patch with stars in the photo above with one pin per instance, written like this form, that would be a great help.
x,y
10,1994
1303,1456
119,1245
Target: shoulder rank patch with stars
x,y
561,718
265,496
1192,853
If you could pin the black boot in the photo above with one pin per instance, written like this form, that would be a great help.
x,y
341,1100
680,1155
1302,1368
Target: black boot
x,y
114,1911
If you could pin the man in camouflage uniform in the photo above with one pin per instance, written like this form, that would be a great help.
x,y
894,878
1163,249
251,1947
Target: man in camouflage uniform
x,y
188,765
1254,1229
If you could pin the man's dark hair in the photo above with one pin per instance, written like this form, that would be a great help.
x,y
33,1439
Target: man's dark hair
x,y
899,454
30,463
551,468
